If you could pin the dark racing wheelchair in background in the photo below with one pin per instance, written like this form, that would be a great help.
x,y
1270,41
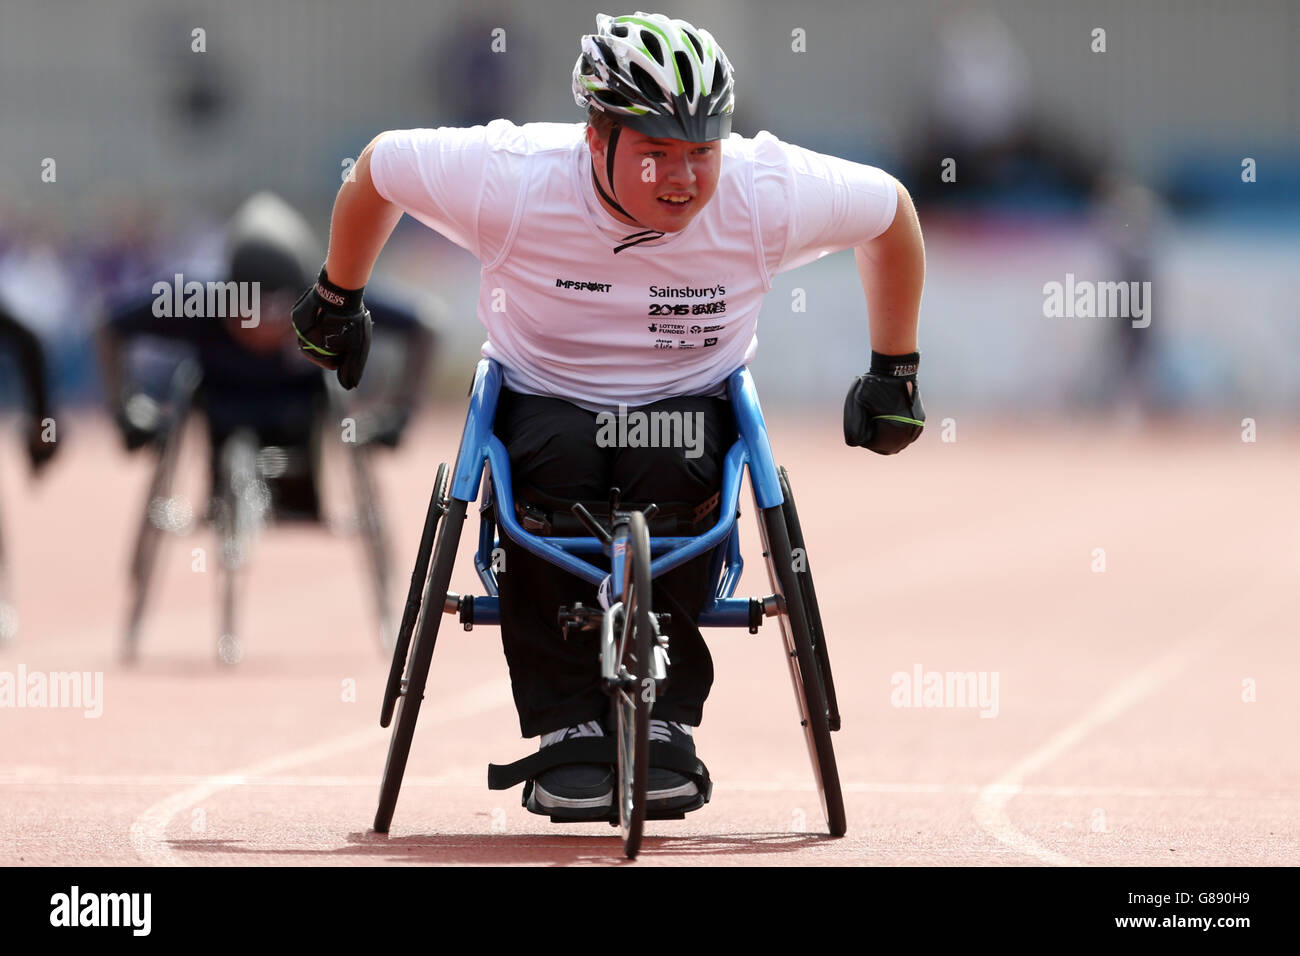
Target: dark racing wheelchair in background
x,y
274,438
634,652
255,483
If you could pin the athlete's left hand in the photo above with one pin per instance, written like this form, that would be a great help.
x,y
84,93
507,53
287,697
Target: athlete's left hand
x,y
883,409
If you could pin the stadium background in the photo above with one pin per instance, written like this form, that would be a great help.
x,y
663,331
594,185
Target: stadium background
x,y
156,144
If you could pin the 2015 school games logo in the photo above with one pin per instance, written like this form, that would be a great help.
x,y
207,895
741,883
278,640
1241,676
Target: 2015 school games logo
x,y
688,308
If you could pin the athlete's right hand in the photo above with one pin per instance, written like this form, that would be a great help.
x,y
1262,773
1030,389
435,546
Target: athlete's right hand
x,y
334,329
140,420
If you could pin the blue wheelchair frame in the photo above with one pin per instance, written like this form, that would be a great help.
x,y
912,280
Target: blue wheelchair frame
x,y
793,603
480,446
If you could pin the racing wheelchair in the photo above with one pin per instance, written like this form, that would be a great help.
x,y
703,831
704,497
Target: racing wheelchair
x,y
257,479
634,655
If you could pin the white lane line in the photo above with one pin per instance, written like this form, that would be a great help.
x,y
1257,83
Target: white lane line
x,y
1028,790
460,776
149,829
990,810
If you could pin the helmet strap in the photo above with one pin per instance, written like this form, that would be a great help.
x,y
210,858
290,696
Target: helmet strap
x,y
636,237
609,172
614,132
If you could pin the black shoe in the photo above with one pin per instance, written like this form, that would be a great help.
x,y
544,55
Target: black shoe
x,y
666,789
574,791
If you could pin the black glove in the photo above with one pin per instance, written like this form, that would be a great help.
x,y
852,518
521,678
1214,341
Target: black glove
x,y
39,451
333,327
883,409
140,421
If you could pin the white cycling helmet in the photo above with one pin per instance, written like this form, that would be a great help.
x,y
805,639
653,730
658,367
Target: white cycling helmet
x,y
661,77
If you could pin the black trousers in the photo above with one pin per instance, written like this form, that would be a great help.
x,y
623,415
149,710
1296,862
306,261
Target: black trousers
x,y
556,449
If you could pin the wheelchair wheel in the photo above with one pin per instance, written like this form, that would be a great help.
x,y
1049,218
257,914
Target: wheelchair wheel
x,y
148,541
631,701
374,539
809,594
144,556
143,559
411,614
805,674
240,511
417,668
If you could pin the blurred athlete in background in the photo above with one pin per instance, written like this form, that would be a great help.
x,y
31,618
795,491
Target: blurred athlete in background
x,y
258,395
38,429
253,376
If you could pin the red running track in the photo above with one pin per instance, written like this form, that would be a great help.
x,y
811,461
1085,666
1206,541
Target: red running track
x,y
1143,713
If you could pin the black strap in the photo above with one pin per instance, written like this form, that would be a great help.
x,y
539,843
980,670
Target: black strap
x,y
636,238
646,235
614,132
548,515
606,196
597,750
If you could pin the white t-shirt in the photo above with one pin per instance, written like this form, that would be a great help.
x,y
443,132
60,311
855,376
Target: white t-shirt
x,y
570,318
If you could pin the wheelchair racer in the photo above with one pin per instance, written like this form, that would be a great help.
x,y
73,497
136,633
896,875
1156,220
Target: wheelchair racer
x,y
38,439
624,263
30,357
253,377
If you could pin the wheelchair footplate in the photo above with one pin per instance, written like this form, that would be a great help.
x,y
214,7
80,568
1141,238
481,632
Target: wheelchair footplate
x,y
598,750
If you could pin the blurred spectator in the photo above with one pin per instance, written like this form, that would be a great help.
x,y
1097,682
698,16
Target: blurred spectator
x,y
475,69
1129,219
35,281
198,71
982,115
